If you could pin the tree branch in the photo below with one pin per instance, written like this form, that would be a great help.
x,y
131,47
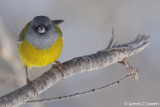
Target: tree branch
x,y
82,93
101,59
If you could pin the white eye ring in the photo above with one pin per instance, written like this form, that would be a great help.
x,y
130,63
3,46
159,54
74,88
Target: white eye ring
x,y
41,29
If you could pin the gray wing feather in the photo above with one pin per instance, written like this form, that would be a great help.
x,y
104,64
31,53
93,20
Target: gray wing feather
x,y
57,22
21,38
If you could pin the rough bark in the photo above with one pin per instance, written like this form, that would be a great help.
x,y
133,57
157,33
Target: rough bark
x,y
103,58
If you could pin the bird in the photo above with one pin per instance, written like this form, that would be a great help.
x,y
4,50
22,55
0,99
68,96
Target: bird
x,y
40,43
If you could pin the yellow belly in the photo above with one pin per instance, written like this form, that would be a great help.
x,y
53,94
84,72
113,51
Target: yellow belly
x,y
33,57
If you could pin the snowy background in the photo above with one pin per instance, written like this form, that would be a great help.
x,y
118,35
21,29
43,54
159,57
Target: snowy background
x,y
87,29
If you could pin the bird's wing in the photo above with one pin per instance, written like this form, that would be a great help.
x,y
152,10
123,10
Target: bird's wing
x,y
57,22
23,33
57,29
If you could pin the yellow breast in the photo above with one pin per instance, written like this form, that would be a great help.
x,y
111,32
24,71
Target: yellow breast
x,y
33,57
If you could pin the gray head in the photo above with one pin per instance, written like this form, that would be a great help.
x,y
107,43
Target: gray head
x,y
41,33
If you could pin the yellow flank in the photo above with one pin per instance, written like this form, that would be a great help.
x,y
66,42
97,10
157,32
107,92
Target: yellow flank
x,y
33,57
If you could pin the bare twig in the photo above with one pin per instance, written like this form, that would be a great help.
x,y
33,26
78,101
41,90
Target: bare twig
x,y
111,40
77,65
81,93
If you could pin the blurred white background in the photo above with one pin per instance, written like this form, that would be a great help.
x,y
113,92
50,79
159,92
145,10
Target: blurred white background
x,y
87,29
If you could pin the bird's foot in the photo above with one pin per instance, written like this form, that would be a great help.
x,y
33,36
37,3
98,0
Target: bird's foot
x,y
30,83
60,66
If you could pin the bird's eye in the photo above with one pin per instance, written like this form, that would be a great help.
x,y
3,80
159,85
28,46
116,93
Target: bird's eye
x,y
34,28
48,27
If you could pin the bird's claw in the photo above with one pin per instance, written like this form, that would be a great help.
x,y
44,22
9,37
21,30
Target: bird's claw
x,y
30,83
60,66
